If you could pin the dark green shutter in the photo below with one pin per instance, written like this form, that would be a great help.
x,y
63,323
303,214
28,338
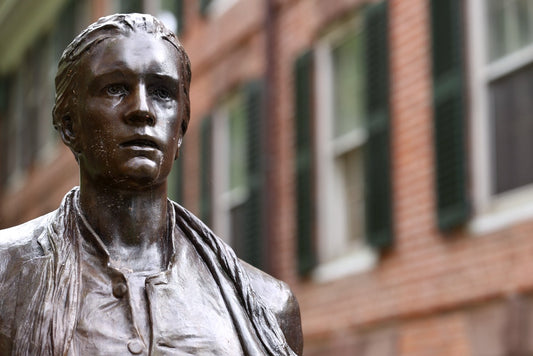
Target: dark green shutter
x,y
378,191
206,170
252,244
204,4
449,122
303,96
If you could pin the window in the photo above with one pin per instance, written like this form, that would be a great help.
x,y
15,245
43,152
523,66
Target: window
x,y
231,191
342,139
501,73
27,132
27,121
231,172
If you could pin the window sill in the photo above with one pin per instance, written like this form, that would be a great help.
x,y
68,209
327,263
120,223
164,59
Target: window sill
x,y
355,262
504,211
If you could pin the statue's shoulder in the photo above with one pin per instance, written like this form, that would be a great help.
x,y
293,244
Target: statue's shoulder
x,y
276,294
23,240
278,297
18,245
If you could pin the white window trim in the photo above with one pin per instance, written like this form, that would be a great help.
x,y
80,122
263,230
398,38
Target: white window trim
x,y
224,200
491,212
358,257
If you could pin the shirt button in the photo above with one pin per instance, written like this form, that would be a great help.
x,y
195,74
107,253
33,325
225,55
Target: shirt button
x,y
135,347
120,289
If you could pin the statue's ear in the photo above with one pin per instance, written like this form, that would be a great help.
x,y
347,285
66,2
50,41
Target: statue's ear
x,y
69,133
180,140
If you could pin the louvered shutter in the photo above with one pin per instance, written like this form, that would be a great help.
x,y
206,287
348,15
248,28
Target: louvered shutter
x,y
449,122
305,202
378,188
252,244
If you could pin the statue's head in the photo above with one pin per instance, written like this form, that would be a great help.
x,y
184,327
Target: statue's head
x,y
122,97
100,31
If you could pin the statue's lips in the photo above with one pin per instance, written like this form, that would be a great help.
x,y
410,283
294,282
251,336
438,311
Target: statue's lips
x,y
141,144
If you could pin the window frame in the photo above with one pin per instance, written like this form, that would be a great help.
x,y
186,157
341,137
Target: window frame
x,y
359,256
491,211
224,198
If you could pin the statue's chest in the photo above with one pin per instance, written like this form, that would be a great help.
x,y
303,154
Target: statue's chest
x,y
177,312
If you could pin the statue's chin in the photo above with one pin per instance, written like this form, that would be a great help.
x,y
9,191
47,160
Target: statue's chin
x,y
139,172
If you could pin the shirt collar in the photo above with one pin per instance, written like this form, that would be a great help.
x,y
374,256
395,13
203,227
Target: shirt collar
x,y
93,244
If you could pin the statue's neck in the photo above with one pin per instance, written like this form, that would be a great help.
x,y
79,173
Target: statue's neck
x,y
132,224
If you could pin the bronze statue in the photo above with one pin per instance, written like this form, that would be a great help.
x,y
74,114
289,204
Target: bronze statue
x,y
118,268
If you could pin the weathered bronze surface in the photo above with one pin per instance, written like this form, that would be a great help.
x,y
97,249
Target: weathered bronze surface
x,y
118,268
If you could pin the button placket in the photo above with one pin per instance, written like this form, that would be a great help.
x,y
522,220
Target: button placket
x,y
120,289
152,286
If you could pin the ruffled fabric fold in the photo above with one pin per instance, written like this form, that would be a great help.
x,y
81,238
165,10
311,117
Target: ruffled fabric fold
x,y
231,278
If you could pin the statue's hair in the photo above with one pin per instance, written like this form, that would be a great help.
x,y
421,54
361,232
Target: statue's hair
x,y
105,28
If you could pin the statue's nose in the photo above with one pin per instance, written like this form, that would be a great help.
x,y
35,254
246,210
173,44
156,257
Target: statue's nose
x,y
140,111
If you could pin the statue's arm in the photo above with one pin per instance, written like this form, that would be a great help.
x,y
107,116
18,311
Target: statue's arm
x,y
278,297
17,245
290,322
8,289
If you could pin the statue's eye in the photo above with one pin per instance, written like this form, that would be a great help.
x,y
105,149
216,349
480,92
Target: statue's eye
x,y
116,89
161,93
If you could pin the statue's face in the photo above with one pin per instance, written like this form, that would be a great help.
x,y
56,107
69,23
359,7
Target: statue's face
x,y
127,122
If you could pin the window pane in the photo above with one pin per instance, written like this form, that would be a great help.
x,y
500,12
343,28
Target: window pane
x,y
510,26
347,206
352,165
512,130
348,90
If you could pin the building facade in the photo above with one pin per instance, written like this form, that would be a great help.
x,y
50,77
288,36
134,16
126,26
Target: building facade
x,y
374,154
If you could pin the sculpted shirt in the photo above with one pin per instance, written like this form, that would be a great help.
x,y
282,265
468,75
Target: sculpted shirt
x,y
60,295
176,311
